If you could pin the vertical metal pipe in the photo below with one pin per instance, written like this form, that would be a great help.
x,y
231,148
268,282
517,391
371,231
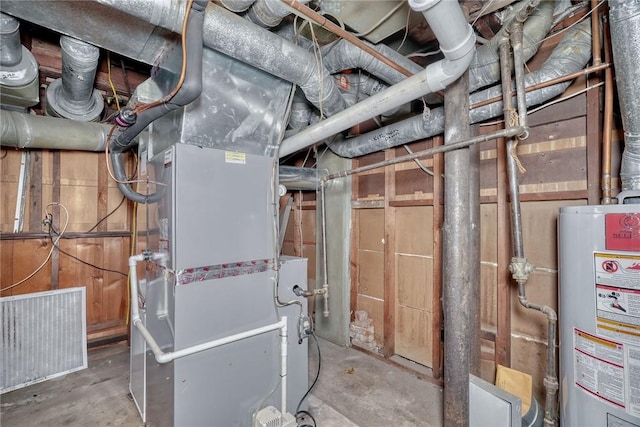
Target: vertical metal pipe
x,y
474,260
456,232
520,267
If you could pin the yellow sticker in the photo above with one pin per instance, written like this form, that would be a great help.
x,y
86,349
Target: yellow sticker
x,y
235,157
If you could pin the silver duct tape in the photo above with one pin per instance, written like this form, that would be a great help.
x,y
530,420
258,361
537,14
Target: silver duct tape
x,y
200,274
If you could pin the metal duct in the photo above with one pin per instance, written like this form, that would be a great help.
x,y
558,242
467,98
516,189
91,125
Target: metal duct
x,y
268,13
72,96
28,131
294,178
232,35
99,25
343,55
571,55
457,42
18,67
625,40
10,46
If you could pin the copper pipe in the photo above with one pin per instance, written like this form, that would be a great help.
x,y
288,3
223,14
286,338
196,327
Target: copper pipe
x,y
607,125
551,82
330,26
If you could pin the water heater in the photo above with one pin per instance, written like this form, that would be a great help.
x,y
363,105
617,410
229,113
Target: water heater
x,y
599,299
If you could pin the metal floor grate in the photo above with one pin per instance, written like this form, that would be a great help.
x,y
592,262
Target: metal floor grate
x,y
44,335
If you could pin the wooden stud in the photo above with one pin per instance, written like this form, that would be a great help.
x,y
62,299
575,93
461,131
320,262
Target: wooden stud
x,y
35,192
55,256
103,193
389,259
503,332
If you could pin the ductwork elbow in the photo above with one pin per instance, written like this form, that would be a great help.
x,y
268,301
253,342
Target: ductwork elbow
x,y
456,37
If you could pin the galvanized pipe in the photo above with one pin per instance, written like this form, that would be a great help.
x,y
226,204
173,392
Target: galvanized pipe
x,y
520,267
503,133
457,297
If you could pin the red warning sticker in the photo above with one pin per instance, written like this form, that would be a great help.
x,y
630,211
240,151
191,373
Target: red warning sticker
x,y
623,231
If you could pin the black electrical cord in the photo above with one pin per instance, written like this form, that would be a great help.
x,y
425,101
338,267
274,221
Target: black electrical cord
x,y
108,215
313,384
78,259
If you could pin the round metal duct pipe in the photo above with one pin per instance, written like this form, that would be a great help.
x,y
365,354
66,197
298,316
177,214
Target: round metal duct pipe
x,y
72,96
18,67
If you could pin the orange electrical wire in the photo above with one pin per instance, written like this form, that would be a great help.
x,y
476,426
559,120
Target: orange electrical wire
x,y
142,107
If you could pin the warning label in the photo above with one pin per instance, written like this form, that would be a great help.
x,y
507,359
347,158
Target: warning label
x,y
599,367
617,282
622,231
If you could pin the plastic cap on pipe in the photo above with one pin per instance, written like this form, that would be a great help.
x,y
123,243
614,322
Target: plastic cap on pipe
x,y
422,5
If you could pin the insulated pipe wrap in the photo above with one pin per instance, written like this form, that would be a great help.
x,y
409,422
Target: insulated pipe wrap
x,y
10,46
625,41
571,55
343,55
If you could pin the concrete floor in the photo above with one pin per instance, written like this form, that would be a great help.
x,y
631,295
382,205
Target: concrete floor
x,y
354,389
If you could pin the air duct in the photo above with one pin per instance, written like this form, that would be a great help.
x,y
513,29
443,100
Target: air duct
x,y
569,56
21,130
625,40
234,36
457,42
72,96
18,67
268,13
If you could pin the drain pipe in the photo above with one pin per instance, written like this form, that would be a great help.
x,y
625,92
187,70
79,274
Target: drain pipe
x,y
457,42
570,56
72,96
520,267
460,336
132,124
625,41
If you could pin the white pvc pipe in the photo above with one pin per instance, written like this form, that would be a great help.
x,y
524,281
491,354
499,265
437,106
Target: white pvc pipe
x,y
457,41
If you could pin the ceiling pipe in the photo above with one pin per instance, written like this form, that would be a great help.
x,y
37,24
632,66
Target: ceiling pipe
x,y
72,96
570,56
457,41
625,41
238,38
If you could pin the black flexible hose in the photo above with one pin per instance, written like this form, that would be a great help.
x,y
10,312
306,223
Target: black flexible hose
x,y
313,384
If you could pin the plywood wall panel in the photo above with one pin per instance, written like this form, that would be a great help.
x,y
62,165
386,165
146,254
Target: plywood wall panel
x,y
91,250
28,255
414,230
82,204
488,233
414,281
413,181
371,274
309,252
542,288
6,265
539,224
488,296
371,226
309,226
413,335
530,356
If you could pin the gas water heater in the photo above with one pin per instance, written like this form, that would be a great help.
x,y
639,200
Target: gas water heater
x,y
599,291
